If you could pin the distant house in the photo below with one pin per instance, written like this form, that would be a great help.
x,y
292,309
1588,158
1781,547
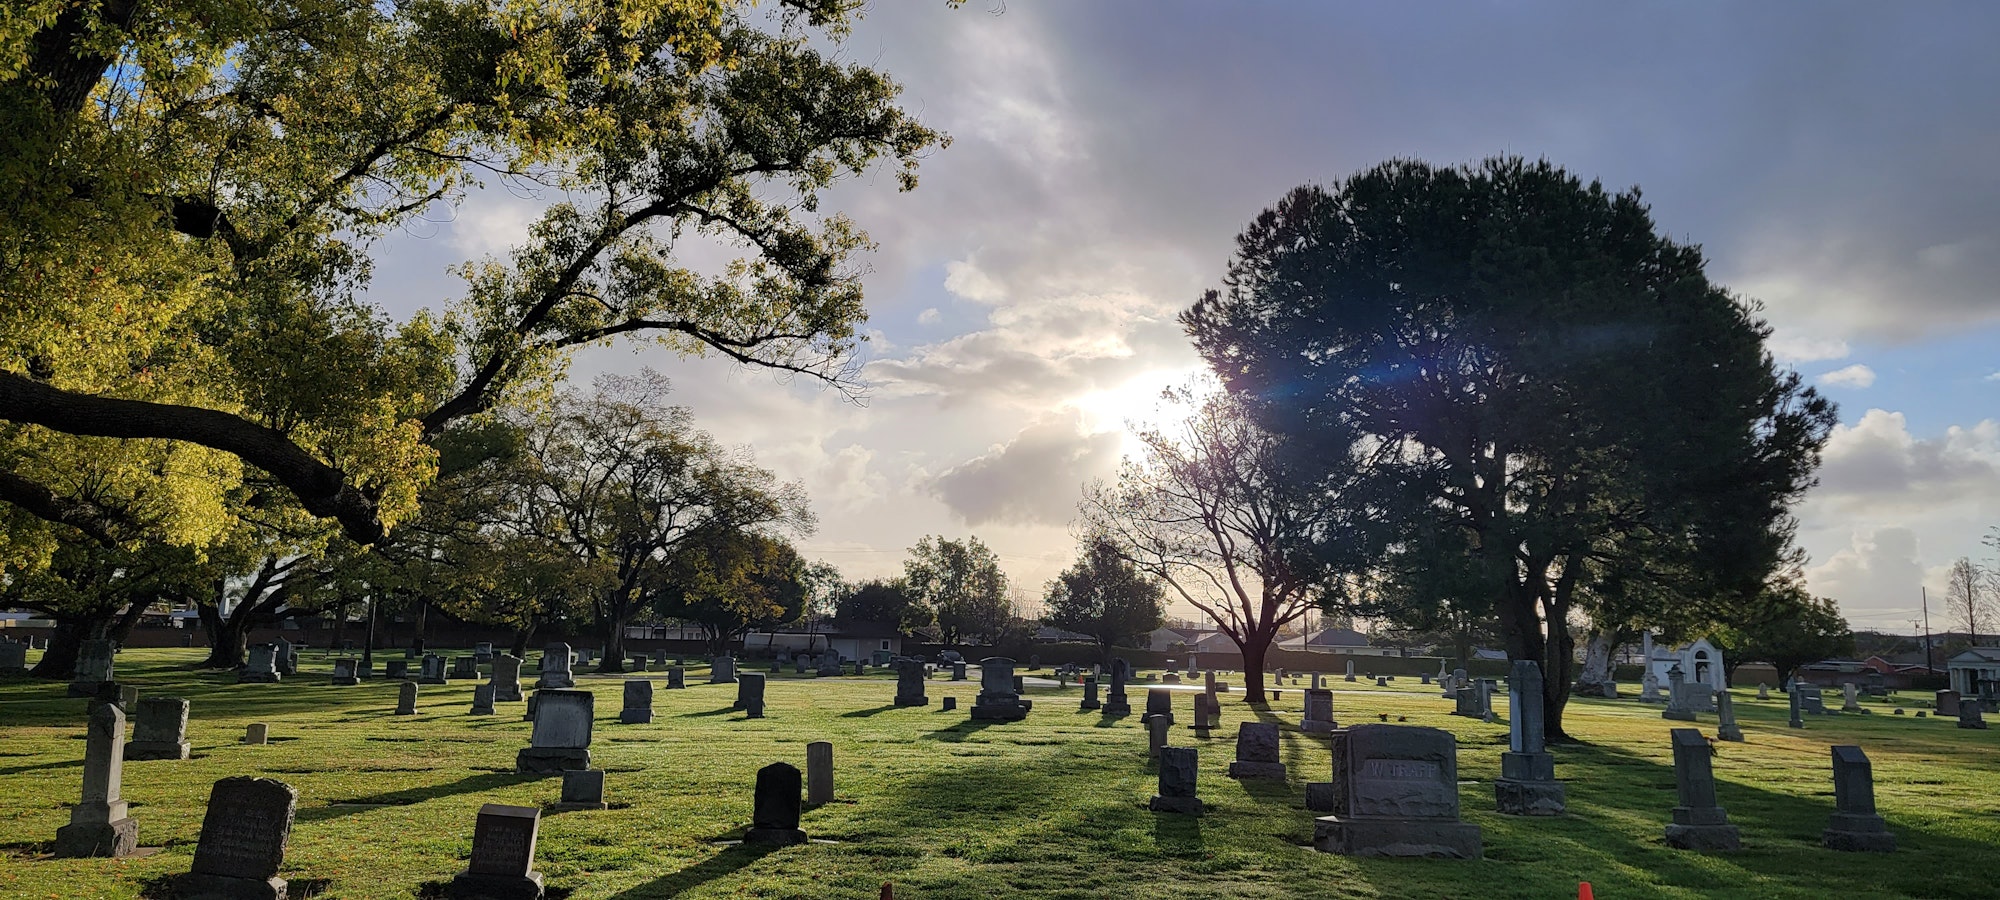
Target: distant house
x,y
1975,671
1049,634
1163,639
1338,640
1489,654
1699,661
854,640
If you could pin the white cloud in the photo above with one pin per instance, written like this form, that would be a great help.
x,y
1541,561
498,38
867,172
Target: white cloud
x,y
929,316
1879,572
1854,376
1877,462
1034,479
1993,377
1797,348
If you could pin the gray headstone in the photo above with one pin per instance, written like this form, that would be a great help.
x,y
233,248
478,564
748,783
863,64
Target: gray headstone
x,y
1796,700
465,667
751,692
1090,700
482,699
406,699
1853,697
1527,785
1257,752
1156,736
775,814
1116,703
561,739
13,655
998,700
506,678
159,729
1699,823
582,789
1947,703
98,823
1394,793
257,734
343,673
638,709
262,667
93,666
676,678
819,772
1159,705
1179,767
1725,718
242,843
503,856
1971,713
722,670
1855,825
910,683
396,669
555,667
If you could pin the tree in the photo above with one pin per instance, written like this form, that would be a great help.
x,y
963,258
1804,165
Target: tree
x,y
1219,512
960,582
192,206
1796,628
823,589
882,601
1505,351
730,580
1968,596
1105,596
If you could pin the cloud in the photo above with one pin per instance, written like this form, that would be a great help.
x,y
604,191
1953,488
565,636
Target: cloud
x,y
1877,462
1796,348
1993,377
1034,479
1880,571
929,316
1854,376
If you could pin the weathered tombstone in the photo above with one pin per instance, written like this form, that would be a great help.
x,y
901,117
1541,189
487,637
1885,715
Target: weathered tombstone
x,y
676,678
1699,824
482,699
1116,703
659,659
555,668
1947,703
343,673
638,709
722,670
482,652
582,789
503,856
561,739
799,664
949,704
1381,681
257,734
1811,698
396,669
1970,713
128,698
1179,767
1763,691
751,693
1855,825
406,699
1649,683
958,671
1090,700
1350,670
1319,711
1725,718
1797,702
1679,696
1159,705
285,657
464,667
242,843
819,772
1853,697
1192,669
1257,752
1156,736
13,657
1426,678
159,729
774,819
1207,711
433,670
1466,700
910,683
506,679
1208,681
98,824
998,700
1394,793
262,667
93,667
1527,785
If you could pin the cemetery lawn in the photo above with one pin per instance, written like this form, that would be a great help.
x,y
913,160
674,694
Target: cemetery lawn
x,y
1054,806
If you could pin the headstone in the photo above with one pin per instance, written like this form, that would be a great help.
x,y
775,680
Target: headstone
x,y
433,670
506,679
1527,785
482,652
659,659
1394,793
1467,700
775,817
1381,681
1763,691
1319,711
242,843
1680,706
561,739
1970,713
799,664
910,683
464,667
582,789
343,673
93,667
1116,703
1192,669
1350,670
98,823
1947,703
257,734
1179,767
958,671
1649,682
1426,678
159,729
503,856
128,698
1159,705
1208,681
1797,702
1090,700
998,699
819,772
555,668
482,699
1257,752
676,678
262,667
13,657
638,709
285,657
949,704
1207,711
1726,728
722,670
1855,825
396,669
1811,698
1699,824
1853,699
1156,736
406,700
752,694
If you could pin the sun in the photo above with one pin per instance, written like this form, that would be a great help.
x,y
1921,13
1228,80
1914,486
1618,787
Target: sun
x,y
1135,404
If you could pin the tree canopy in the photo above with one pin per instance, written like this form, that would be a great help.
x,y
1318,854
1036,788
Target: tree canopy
x,y
960,582
1105,596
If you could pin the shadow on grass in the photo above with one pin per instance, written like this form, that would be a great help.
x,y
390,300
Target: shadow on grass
x,y
1175,834
713,712
470,784
65,764
865,713
962,730
720,865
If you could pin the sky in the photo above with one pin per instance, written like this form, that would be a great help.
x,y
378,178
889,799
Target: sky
x,y
1834,160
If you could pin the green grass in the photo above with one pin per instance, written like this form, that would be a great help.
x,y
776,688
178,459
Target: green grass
x,y
1050,807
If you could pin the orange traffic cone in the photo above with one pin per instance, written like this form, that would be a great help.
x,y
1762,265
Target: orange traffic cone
x,y
1583,891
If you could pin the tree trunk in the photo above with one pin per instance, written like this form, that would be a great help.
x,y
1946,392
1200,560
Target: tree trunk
x,y
122,629
230,646
524,635
58,662
1254,647
1596,663
614,649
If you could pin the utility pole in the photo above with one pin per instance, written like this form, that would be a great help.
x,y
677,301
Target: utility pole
x,y
1926,594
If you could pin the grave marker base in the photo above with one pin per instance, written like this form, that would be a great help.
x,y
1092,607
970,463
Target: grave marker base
x,y
550,760
774,837
1396,837
635,717
156,750
1243,769
1529,798
1703,837
1003,712
223,887
1858,834
81,839
1730,732
1186,806
472,886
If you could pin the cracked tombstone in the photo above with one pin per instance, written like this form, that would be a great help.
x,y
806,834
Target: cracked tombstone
x,y
503,856
242,843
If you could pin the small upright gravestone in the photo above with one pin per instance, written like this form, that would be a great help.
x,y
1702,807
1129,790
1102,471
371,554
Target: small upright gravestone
x,y
343,673
1467,699
1680,706
751,694
582,789
1811,698
949,704
1090,700
1726,728
98,824
13,657
1156,736
829,664
1855,824
257,734
722,670
910,683
1527,785
1796,700
1319,711
1394,793
676,678
159,729
1178,770
1116,703
406,699
506,679
1947,703
1257,752
93,667
465,667
1350,670
561,739
482,699
1207,711
997,700
1159,705
1970,713
433,671
638,709
262,667
1699,824
396,669
775,814
1763,691
819,772
482,652
958,671
503,856
637,662
555,668
242,843
1852,701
